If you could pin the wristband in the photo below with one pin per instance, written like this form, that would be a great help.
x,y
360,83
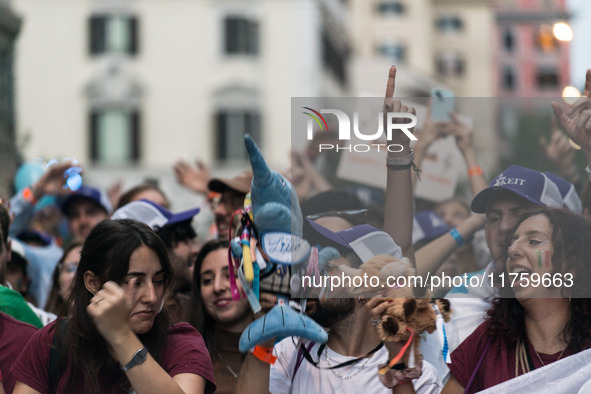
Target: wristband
x,y
138,358
400,167
457,237
28,196
406,161
265,354
475,171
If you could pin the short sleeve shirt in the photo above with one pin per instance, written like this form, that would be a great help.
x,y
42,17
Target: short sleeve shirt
x,y
361,377
185,352
14,336
498,363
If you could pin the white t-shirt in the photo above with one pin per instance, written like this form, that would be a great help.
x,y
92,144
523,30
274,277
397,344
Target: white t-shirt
x,y
469,305
364,373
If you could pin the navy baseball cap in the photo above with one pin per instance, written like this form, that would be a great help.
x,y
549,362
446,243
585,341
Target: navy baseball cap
x,y
365,240
428,225
89,193
529,184
152,214
570,198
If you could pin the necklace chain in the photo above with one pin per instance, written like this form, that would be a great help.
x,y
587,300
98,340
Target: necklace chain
x,y
349,376
228,367
559,356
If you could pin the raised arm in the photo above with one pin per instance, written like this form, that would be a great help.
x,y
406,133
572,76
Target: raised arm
x,y
576,120
427,135
193,178
431,256
52,182
560,152
464,136
399,196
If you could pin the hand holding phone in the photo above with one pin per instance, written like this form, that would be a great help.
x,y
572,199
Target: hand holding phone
x,y
442,102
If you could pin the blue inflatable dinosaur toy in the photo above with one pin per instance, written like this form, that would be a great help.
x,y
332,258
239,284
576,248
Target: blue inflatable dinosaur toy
x,y
274,219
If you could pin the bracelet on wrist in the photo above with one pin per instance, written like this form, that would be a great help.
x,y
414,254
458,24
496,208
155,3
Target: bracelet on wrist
x,y
265,354
29,196
396,162
455,234
401,166
138,358
403,163
475,171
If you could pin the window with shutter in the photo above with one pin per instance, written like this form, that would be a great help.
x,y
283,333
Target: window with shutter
x,y
115,136
241,36
113,34
231,126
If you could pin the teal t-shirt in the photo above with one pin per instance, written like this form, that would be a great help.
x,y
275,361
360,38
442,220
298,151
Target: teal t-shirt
x,y
13,304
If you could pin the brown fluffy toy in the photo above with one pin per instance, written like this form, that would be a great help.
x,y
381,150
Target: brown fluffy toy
x,y
406,311
418,314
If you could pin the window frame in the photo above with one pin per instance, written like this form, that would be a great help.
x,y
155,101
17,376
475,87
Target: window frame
x,y
134,119
98,31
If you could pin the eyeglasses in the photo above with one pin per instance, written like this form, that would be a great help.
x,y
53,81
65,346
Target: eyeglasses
x,y
69,267
355,216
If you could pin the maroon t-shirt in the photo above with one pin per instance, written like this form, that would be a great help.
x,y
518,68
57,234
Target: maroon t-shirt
x,y
14,336
185,352
498,364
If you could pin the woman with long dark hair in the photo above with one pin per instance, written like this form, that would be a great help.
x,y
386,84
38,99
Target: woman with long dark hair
x,y
62,278
218,317
118,339
536,321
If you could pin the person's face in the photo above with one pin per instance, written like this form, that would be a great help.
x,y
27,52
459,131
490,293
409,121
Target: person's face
x,y
152,195
144,289
68,271
184,254
229,202
83,216
17,279
502,214
334,223
329,311
216,295
452,212
530,252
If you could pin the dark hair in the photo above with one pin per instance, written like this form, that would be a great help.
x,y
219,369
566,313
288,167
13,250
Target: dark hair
x,y
55,303
4,223
198,317
178,232
570,240
129,195
106,253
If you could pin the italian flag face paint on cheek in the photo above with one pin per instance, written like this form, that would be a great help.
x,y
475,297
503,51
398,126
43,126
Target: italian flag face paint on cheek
x,y
547,263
